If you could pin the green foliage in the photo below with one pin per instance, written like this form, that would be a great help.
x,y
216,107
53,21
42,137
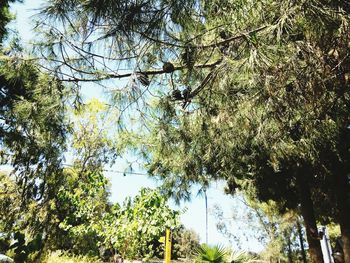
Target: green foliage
x,y
333,233
260,109
33,127
65,202
212,254
80,201
80,194
242,257
219,254
259,95
33,130
134,228
32,139
59,257
267,225
94,141
9,204
255,112
185,242
5,18
23,249
68,206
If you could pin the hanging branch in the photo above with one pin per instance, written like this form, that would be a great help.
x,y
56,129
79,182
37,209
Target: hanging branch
x,y
147,73
220,43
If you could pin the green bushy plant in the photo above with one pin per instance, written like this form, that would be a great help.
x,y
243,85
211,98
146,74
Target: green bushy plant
x,y
212,254
61,257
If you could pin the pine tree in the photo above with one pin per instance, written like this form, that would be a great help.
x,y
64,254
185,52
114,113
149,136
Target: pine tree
x,y
252,92
32,135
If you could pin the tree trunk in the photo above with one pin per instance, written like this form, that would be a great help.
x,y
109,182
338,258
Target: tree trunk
x,y
345,236
290,253
301,241
307,212
343,209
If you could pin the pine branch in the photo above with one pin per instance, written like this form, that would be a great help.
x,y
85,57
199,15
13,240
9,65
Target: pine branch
x,y
126,75
220,43
206,80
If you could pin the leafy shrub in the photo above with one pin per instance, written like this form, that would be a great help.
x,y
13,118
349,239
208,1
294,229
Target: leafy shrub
x,y
61,257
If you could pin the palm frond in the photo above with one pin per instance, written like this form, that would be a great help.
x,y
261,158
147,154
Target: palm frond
x,y
212,254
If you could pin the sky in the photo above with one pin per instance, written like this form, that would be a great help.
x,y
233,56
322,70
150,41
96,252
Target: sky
x,y
123,186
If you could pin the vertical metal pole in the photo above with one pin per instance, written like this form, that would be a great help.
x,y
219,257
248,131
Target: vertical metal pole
x,y
326,246
168,246
206,216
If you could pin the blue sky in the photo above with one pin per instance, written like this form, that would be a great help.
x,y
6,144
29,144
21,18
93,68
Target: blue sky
x,y
123,186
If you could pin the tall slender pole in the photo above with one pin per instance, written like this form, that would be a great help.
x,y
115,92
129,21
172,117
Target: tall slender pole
x,y
168,246
206,216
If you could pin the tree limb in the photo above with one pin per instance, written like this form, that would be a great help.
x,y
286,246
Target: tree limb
x,y
148,73
220,43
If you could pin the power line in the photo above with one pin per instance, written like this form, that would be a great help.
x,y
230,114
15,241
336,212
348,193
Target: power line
x,y
120,172
111,170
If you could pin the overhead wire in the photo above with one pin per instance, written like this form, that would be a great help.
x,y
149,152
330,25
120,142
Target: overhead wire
x,y
112,170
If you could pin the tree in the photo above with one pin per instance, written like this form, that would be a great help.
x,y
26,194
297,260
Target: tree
x,y
5,18
9,204
74,198
80,198
32,138
32,129
186,242
134,228
279,234
93,141
261,90
81,201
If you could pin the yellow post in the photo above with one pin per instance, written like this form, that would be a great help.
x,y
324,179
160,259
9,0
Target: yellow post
x,y
167,246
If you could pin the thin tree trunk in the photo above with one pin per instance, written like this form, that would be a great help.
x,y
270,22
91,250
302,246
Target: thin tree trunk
x,y
307,212
301,241
345,236
343,209
290,255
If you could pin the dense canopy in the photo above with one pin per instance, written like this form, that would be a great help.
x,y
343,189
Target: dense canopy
x,y
254,93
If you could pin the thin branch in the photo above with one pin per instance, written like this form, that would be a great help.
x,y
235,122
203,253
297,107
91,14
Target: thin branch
x,y
148,73
209,77
223,42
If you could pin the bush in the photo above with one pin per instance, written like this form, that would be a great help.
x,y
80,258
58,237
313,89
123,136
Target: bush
x,y
61,257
